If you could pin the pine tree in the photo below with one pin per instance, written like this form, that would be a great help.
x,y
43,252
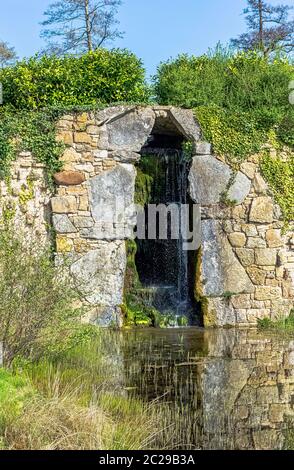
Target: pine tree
x,y
270,28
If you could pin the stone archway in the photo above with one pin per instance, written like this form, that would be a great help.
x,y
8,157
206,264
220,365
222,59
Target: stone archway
x,y
235,258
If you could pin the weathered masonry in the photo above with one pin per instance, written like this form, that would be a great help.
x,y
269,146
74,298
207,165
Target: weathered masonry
x,y
245,266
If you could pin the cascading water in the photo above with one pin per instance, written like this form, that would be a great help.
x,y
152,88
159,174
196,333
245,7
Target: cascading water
x,y
163,265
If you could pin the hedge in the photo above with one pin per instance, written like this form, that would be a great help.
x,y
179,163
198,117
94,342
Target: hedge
x,y
102,76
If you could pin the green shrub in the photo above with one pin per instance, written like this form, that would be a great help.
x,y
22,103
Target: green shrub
x,y
243,82
241,102
102,76
37,313
238,98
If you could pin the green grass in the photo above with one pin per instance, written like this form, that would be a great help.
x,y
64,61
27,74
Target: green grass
x,y
15,390
74,402
281,324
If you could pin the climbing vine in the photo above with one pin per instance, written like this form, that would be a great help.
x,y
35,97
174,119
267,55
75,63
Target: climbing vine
x,y
33,131
235,135
279,173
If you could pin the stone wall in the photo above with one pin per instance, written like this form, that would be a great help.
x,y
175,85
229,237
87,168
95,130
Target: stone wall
x,y
99,171
245,268
249,397
246,264
25,199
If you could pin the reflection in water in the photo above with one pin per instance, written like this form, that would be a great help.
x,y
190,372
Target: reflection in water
x,y
220,389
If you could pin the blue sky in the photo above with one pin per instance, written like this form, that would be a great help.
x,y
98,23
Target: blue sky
x,y
154,29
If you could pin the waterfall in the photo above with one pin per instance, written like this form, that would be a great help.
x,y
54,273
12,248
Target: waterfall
x,y
163,265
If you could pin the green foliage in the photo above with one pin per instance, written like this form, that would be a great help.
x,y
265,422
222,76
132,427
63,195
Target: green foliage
x,y
235,134
143,188
243,81
187,149
279,173
101,76
136,312
37,91
32,131
14,390
241,102
37,313
282,324
237,98
285,131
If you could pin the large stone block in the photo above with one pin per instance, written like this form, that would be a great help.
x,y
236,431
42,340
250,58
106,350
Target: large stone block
x,y
69,178
209,179
184,120
262,210
64,205
265,257
62,224
131,130
221,271
268,293
104,316
112,202
100,273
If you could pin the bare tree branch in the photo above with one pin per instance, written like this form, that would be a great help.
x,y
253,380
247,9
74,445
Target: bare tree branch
x,y
65,20
7,54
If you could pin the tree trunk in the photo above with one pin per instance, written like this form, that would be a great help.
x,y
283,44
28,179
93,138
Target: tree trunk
x,y
88,26
260,12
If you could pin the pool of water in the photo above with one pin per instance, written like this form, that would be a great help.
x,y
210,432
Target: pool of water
x,y
214,389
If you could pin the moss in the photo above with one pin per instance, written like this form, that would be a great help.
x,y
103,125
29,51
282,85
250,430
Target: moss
x,y
209,314
136,313
143,188
198,288
8,212
132,280
26,192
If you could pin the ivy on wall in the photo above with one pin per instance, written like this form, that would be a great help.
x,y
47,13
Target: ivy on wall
x,y
241,102
235,135
279,173
33,131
